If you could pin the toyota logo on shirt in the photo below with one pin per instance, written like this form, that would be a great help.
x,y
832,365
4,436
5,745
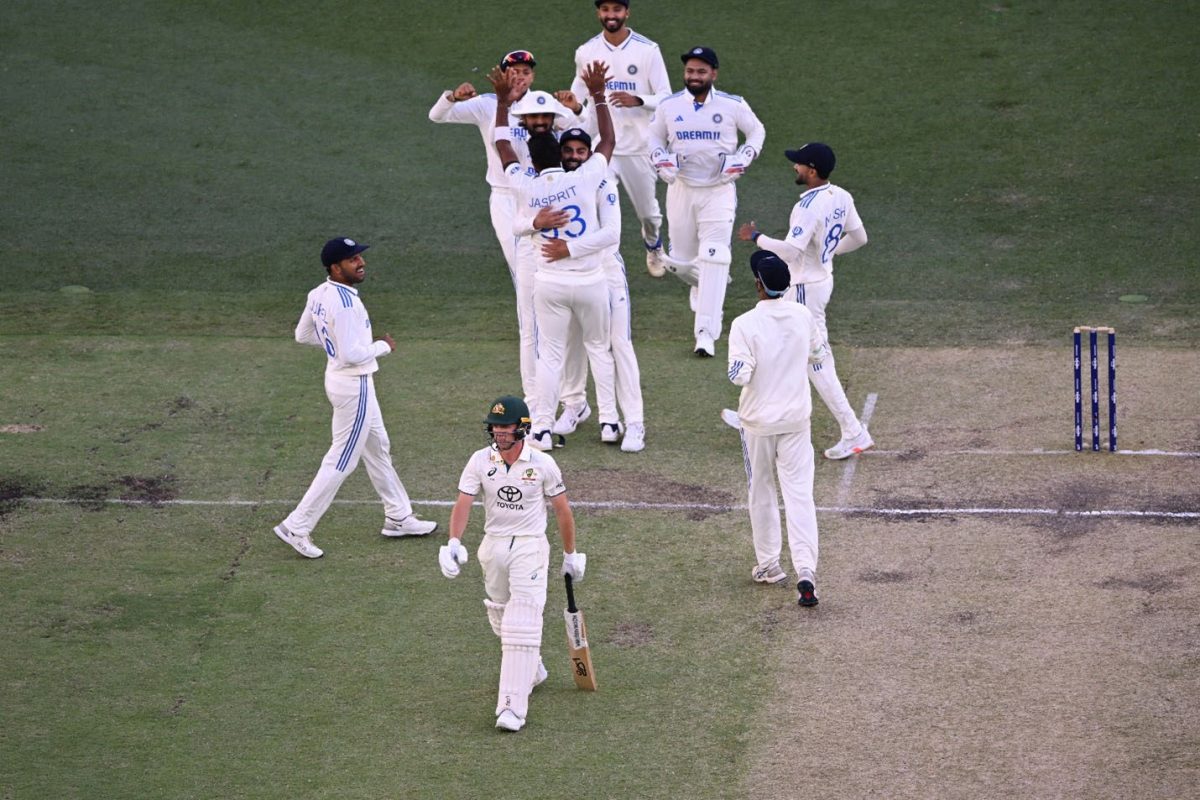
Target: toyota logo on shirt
x,y
509,494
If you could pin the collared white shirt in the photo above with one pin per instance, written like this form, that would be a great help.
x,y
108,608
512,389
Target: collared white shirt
x,y
514,498
634,66
336,320
818,222
481,112
700,133
770,348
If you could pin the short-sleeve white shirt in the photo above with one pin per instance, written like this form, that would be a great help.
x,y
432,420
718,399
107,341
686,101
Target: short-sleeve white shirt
x,y
514,498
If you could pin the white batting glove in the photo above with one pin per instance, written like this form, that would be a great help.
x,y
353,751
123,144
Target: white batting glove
x,y
450,555
574,564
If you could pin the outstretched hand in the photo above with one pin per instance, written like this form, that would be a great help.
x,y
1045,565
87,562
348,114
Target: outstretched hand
x,y
595,77
500,82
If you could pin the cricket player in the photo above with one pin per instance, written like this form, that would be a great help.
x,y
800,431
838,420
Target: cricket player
x,y
336,321
567,287
515,482
639,82
693,137
823,223
576,148
770,347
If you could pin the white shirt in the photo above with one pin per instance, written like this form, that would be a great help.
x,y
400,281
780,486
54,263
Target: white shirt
x,y
822,217
481,112
606,240
336,320
702,132
514,498
636,66
770,348
578,194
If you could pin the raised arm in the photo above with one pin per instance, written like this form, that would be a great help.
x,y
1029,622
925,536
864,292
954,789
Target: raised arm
x,y
594,77
504,148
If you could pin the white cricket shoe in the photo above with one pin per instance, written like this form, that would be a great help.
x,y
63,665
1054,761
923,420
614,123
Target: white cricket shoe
x,y
654,262
610,432
634,440
301,544
508,721
540,441
848,447
570,418
769,574
731,418
705,346
409,526
542,673
694,299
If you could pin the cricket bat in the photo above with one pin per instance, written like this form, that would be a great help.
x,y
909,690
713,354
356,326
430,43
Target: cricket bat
x,y
581,654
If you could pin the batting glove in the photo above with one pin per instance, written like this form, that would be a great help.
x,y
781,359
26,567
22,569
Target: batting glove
x,y
574,564
733,166
450,555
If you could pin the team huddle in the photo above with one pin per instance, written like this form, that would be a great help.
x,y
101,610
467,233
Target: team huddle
x,y
554,165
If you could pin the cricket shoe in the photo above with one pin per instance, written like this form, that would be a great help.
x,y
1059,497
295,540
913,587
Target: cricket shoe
x,y
772,573
634,440
848,447
705,346
542,673
302,544
654,261
570,418
409,526
806,593
541,441
508,721
610,432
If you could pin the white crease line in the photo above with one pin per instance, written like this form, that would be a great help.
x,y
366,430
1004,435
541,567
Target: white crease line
x,y
852,462
627,505
875,452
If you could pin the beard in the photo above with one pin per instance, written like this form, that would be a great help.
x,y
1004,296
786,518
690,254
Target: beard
x,y
698,89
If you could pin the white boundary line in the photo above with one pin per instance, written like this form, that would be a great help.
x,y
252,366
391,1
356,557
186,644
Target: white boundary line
x,y
620,505
852,463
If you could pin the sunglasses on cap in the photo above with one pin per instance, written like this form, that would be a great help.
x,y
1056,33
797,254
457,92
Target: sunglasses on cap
x,y
517,57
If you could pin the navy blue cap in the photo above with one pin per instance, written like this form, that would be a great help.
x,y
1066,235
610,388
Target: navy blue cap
x,y
576,134
817,155
602,2
772,271
705,54
339,249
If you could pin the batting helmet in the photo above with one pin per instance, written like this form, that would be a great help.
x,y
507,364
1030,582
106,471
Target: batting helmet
x,y
509,410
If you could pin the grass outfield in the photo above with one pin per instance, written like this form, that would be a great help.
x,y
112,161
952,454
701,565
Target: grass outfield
x,y
1019,166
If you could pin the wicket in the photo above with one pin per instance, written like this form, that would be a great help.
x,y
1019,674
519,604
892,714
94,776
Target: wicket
x,y
1112,387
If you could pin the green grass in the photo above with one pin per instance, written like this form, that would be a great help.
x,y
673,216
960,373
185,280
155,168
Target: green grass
x,y
1018,165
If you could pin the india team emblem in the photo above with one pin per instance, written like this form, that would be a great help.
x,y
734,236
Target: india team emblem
x,y
541,100
633,69
717,118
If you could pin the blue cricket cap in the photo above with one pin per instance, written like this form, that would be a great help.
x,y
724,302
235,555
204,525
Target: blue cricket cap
x,y
772,271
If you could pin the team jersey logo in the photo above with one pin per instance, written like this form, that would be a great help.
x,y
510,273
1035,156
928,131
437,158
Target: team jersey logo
x,y
633,69
530,476
679,118
796,231
509,494
717,118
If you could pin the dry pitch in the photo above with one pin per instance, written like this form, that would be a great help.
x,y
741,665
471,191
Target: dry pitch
x,y
1037,654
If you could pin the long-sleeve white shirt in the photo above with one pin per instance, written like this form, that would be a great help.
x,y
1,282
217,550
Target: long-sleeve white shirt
x,y
336,321
700,133
770,348
635,66
480,111
823,217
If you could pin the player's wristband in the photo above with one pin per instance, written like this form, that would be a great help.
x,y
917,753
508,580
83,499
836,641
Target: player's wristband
x,y
754,236
500,135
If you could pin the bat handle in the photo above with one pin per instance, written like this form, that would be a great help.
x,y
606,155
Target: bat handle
x,y
570,593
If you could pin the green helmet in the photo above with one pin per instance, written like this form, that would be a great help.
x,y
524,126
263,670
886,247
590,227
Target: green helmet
x,y
509,410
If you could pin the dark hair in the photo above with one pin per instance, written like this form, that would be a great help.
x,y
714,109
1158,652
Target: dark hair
x,y
544,151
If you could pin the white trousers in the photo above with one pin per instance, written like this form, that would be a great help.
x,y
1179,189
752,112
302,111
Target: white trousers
x,y
700,227
514,576
515,566
790,455
556,306
636,175
823,374
524,269
503,208
625,364
358,432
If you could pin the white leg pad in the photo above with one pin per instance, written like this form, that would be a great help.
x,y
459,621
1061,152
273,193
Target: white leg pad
x,y
521,643
495,612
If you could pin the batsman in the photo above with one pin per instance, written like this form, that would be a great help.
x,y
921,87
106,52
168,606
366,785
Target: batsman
x,y
514,482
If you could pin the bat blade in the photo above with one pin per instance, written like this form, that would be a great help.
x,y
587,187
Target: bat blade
x,y
577,644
